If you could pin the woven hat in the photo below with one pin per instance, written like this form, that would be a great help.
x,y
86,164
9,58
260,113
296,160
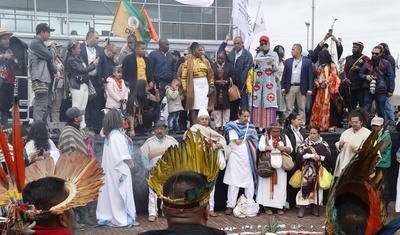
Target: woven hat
x,y
4,32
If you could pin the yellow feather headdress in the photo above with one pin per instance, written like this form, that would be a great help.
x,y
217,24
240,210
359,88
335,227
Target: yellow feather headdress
x,y
82,175
361,178
192,154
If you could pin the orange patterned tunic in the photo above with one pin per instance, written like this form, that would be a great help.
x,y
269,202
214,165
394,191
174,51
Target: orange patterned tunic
x,y
327,83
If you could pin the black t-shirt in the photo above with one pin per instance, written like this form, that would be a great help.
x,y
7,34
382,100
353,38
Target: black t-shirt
x,y
187,229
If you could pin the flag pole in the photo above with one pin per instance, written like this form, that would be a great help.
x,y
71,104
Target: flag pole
x,y
258,12
112,13
144,3
230,26
105,5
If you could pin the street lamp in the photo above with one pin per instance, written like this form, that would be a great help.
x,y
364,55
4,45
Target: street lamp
x,y
332,31
308,31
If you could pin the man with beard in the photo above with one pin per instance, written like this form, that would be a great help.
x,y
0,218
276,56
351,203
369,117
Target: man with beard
x,y
378,72
353,65
127,49
152,151
8,67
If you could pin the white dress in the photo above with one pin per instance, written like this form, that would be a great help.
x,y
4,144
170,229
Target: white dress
x,y
238,171
201,89
398,192
54,152
116,205
277,198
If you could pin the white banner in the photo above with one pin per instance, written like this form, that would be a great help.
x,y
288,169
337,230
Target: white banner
x,y
259,22
334,53
199,3
242,20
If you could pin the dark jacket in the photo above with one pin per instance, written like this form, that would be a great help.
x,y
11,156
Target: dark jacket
x,y
8,67
384,66
318,48
290,134
352,71
306,77
162,66
242,64
75,70
109,66
101,76
229,72
129,71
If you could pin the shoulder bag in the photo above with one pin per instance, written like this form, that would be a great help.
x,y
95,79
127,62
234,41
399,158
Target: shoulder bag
x,y
92,91
233,91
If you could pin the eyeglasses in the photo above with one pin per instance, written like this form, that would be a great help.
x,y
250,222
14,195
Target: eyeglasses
x,y
374,53
184,54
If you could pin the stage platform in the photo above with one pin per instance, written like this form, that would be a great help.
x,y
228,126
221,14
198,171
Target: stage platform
x,y
139,173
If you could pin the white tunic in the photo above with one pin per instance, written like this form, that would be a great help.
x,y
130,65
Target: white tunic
x,y
238,171
200,93
398,193
116,205
277,198
54,152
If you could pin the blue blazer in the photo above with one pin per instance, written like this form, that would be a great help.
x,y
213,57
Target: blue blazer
x,y
101,76
306,77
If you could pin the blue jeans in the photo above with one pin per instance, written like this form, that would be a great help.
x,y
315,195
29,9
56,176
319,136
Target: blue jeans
x,y
380,100
173,121
389,112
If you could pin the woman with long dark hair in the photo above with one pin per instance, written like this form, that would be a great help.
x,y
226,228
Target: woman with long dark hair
x,y
39,142
142,107
325,111
296,135
197,79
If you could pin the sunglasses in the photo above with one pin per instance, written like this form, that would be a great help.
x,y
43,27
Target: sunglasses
x,y
374,53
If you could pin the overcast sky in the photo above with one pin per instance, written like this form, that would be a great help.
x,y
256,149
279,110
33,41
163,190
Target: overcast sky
x,y
368,21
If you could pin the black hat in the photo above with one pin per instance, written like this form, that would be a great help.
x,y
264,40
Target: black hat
x,y
43,27
74,112
160,123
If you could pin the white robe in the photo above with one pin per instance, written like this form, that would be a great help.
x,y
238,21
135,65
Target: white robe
x,y
352,140
398,193
116,205
238,171
277,198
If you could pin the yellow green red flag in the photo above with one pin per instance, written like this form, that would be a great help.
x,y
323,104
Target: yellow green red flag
x,y
128,20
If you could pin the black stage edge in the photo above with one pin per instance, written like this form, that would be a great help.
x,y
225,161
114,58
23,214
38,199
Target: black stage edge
x,y
139,173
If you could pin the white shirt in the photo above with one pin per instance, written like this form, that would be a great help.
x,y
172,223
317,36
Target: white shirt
x,y
296,71
92,54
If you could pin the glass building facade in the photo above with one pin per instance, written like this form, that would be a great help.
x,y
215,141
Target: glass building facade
x,y
171,19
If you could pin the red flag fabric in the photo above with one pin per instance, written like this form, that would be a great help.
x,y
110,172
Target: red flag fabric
x,y
153,33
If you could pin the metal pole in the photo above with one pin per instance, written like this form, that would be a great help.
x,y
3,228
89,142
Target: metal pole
x,y
308,34
312,22
332,32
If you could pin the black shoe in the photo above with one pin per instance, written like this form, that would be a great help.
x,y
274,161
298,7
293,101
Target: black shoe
x,y
229,211
171,132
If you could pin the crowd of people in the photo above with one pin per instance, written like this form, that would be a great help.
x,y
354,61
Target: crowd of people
x,y
289,102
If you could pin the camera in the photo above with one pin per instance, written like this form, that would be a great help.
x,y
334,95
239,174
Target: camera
x,y
372,85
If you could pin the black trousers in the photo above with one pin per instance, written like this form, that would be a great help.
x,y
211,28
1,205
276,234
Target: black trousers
x,y
94,115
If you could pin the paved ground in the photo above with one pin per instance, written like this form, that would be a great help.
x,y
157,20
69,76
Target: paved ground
x,y
289,220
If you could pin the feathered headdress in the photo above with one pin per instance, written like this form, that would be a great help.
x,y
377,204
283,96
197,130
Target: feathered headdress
x,y
192,154
360,178
82,175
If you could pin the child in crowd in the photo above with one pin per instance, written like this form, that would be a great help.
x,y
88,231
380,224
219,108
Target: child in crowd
x,y
117,92
174,105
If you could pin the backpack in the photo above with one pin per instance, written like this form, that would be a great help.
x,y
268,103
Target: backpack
x,y
264,167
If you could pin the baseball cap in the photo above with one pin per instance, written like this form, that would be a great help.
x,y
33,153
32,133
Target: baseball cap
x,y
264,38
43,27
378,121
74,112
